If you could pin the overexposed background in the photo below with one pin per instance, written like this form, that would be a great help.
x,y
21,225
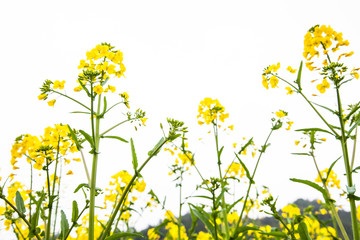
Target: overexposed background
x,y
176,53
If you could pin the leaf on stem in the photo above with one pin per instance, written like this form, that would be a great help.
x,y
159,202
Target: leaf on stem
x,y
313,185
64,225
75,211
20,202
116,236
88,138
115,137
73,136
155,150
298,79
246,170
133,154
203,216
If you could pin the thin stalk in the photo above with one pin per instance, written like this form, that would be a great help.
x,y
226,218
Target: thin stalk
x,y
180,207
334,215
85,166
250,184
51,191
126,191
311,105
22,216
214,215
95,127
57,203
347,168
223,203
71,99
116,125
354,150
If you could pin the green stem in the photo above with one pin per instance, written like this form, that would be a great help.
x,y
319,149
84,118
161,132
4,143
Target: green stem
x,y
116,125
22,216
223,203
71,99
180,207
312,106
250,184
348,169
96,138
334,215
107,230
354,150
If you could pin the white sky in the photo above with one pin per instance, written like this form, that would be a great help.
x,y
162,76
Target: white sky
x,y
176,53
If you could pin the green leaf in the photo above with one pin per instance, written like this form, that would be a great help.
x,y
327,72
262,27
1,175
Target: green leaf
x,y
64,225
303,231
306,154
219,153
313,129
218,199
298,79
116,236
202,196
80,112
331,167
35,217
234,203
75,212
19,202
115,137
330,110
313,185
133,154
275,234
104,110
246,170
204,217
353,127
245,146
154,151
88,138
81,186
73,136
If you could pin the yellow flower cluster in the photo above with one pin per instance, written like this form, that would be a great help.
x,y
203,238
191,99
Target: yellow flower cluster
x,y
290,211
38,150
173,228
324,36
234,170
103,62
119,181
210,110
332,180
269,76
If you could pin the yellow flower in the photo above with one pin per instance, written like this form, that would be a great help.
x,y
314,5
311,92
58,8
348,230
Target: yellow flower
x,y
297,143
51,103
234,145
98,89
231,127
77,159
289,126
280,114
143,120
265,82
7,224
69,173
323,86
42,96
78,88
290,91
274,81
58,84
290,69
355,73
111,88
309,66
